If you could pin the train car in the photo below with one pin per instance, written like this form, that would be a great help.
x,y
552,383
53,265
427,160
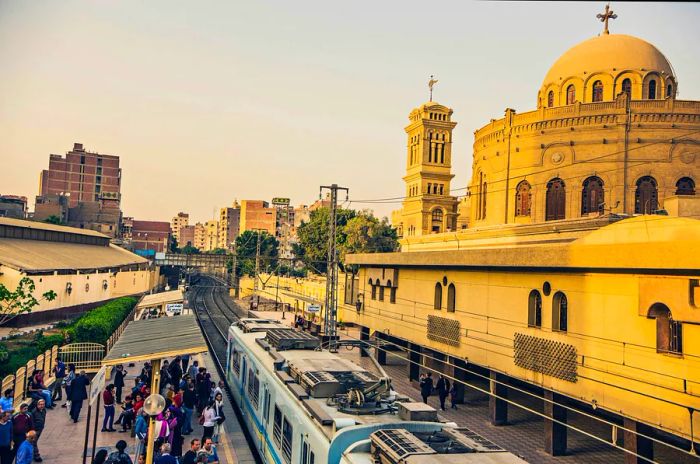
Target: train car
x,y
305,405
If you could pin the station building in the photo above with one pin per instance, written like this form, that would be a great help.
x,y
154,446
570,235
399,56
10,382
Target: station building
x,y
79,265
572,265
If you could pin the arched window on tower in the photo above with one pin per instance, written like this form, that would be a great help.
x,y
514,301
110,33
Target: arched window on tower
x,y
550,99
669,333
597,91
669,90
436,222
592,196
483,200
685,186
646,197
570,94
437,304
560,312
534,309
627,87
556,200
451,298
523,199
652,90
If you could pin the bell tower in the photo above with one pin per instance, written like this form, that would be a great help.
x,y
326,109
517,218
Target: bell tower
x,y
428,207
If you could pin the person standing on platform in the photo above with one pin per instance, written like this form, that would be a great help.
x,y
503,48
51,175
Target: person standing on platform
x,y
185,362
443,389
67,382
219,410
210,420
140,431
189,399
193,370
119,381
164,376
190,456
203,383
119,456
25,451
59,372
5,437
209,450
108,404
39,420
21,425
165,457
175,372
426,387
78,394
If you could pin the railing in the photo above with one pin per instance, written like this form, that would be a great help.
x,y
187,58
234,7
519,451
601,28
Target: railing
x,y
85,356
18,381
118,333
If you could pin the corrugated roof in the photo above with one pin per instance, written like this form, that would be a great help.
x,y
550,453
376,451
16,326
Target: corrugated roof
x,y
38,255
160,338
160,298
46,226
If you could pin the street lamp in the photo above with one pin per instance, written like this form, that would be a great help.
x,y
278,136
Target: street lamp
x,y
153,406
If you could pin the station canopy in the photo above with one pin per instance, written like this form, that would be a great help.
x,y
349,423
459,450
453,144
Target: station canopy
x,y
164,337
158,299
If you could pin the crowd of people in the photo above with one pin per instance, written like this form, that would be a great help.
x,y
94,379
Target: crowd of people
x,y
187,389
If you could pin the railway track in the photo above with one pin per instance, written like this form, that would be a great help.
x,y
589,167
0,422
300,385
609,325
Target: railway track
x,y
215,314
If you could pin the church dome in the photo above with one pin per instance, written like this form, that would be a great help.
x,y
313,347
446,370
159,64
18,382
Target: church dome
x,y
611,56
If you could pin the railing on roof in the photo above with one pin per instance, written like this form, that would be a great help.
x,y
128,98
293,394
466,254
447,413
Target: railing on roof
x,y
118,333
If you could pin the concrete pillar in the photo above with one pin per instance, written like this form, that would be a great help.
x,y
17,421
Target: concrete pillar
x,y
554,433
364,336
460,376
381,354
414,358
636,444
498,409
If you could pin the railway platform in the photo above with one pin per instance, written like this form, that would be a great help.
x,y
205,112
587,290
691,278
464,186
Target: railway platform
x,y
62,440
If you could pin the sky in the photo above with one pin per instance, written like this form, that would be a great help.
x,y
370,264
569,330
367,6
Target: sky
x,y
207,102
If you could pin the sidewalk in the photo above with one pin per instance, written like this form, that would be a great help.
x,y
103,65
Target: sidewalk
x,y
62,440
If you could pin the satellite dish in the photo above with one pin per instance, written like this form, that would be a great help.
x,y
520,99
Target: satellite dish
x,y
154,404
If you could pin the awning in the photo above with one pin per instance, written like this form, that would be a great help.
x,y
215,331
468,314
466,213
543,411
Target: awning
x,y
165,337
308,299
158,299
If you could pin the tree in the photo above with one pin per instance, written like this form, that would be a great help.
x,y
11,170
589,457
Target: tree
x,y
189,250
246,245
173,245
217,251
22,300
366,234
53,219
312,248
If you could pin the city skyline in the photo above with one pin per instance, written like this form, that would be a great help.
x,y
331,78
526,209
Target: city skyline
x,y
197,97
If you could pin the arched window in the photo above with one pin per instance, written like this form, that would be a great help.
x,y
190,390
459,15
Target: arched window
x,y
381,293
627,87
597,91
523,199
560,312
556,200
570,94
374,292
534,309
652,90
436,222
669,333
669,91
646,197
483,200
438,296
685,186
451,298
550,99
592,196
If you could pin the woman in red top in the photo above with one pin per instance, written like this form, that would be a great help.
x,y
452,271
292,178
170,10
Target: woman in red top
x,y
138,404
108,400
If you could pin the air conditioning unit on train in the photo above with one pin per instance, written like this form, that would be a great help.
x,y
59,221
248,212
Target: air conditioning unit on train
x,y
395,446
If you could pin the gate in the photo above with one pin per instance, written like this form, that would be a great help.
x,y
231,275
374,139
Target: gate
x,y
85,356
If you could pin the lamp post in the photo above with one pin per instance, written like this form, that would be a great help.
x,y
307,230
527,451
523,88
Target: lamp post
x,y
153,406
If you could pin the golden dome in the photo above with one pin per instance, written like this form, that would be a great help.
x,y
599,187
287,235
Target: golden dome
x,y
609,53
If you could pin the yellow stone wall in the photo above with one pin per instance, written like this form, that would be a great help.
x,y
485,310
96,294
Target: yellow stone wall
x,y
85,288
577,141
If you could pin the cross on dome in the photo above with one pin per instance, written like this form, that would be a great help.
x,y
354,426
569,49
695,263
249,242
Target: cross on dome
x,y
604,17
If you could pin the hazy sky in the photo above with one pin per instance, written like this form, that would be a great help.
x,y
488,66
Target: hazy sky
x,y
210,101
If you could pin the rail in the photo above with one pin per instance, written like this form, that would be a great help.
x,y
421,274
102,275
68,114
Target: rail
x,y
118,332
18,381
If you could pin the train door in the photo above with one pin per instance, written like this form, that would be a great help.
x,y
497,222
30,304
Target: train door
x,y
244,370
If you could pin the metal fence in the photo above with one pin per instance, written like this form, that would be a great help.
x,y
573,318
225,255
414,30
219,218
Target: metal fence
x,y
85,356
118,333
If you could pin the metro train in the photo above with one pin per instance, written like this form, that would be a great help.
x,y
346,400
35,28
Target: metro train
x,y
305,405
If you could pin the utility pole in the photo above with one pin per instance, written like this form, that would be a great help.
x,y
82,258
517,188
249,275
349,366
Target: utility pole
x,y
234,281
330,320
257,264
